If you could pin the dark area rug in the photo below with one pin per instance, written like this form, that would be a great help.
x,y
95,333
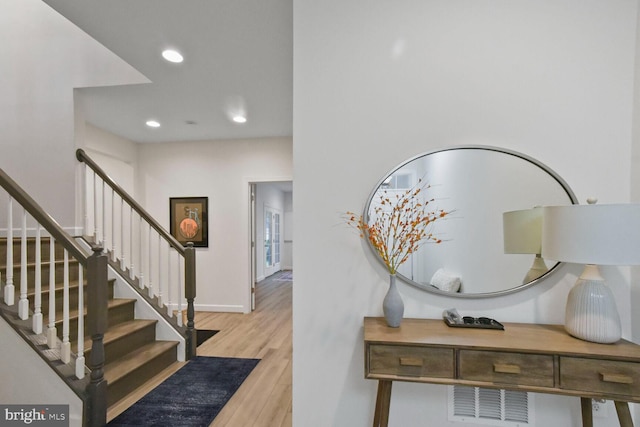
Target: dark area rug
x,y
192,396
204,334
285,276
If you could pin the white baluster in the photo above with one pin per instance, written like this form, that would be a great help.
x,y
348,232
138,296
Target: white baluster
x,y
85,200
169,282
114,257
150,264
131,272
96,235
80,355
9,289
65,349
52,333
180,288
37,315
141,257
23,304
103,213
160,278
123,263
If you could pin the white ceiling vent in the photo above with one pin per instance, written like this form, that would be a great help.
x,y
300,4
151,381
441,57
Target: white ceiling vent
x,y
485,406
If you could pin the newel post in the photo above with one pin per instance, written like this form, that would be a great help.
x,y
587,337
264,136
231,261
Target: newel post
x,y
190,295
97,296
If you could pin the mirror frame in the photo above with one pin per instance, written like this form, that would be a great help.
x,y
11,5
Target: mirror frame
x,y
505,151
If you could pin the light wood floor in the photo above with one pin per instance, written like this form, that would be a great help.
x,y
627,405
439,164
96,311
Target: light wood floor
x,y
264,399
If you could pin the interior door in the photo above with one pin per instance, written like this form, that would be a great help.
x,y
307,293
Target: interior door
x,y
252,225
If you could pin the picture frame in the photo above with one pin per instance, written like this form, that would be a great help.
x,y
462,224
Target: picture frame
x,y
188,220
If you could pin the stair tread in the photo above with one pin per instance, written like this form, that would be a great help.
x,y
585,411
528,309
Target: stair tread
x,y
120,330
121,367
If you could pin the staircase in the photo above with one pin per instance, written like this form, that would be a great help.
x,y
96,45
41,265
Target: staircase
x,y
133,355
120,320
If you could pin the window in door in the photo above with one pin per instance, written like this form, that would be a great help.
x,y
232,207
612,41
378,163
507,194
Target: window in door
x,y
271,241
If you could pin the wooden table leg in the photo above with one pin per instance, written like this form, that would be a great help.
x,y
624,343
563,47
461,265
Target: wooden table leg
x,y
624,416
587,414
381,415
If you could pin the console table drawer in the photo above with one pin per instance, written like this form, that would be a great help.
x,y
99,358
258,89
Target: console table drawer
x,y
410,361
600,376
507,368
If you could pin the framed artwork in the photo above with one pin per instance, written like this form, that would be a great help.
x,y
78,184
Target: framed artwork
x,y
188,220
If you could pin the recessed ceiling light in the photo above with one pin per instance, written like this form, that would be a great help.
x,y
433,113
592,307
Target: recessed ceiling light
x,y
239,119
153,123
172,55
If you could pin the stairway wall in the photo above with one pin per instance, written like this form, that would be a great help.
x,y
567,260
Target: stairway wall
x,y
164,331
32,380
44,59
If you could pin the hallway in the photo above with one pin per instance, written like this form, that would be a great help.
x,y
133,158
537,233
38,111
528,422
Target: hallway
x,y
264,399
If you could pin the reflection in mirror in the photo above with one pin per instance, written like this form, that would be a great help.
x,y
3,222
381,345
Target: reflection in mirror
x,y
522,232
478,184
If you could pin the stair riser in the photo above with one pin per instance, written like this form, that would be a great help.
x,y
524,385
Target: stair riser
x,y
31,250
59,301
126,344
31,274
115,315
59,296
135,379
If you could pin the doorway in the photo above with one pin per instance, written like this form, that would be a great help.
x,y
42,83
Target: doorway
x,y
271,231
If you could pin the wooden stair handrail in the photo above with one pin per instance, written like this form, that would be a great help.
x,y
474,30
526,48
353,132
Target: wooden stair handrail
x,y
188,252
83,157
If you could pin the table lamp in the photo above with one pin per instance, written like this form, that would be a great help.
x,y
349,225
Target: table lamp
x,y
522,232
592,235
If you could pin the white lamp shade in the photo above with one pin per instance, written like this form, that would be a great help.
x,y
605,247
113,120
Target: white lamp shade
x,y
592,234
522,231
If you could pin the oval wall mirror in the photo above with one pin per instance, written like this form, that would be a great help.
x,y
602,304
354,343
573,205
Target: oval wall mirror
x,y
479,184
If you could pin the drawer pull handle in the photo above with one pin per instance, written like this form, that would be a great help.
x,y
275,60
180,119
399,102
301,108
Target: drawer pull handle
x,y
506,369
410,361
616,378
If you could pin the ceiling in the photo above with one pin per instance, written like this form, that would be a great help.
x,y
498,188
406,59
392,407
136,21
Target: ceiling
x,y
238,56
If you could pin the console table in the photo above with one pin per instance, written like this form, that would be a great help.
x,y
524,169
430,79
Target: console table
x,y
525,357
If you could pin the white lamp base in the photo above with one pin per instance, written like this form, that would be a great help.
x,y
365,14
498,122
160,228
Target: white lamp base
x,y
591,309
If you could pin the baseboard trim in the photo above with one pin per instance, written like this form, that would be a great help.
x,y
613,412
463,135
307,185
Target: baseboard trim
x,y
221,308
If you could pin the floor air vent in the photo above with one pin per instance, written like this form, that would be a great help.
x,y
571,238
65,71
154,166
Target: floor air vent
x,y
489,407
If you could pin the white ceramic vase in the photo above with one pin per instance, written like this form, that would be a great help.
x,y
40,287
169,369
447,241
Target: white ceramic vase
x,y
392,305
591,309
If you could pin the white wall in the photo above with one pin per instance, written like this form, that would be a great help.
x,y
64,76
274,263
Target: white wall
x,y
635,189
27,379
221,171
115,155
378,84
119,159
42,58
